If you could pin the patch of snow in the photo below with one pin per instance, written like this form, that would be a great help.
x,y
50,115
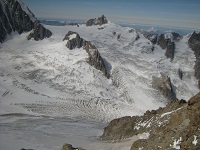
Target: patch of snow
x,y
195,140
72,36
176,143
168,113
144,135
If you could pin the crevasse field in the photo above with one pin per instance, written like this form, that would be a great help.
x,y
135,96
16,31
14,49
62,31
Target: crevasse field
x,y
50,95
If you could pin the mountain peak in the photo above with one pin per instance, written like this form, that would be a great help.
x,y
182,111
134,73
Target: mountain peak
x,y
99,21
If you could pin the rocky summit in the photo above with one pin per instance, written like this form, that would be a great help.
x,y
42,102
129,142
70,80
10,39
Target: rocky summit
x,y
15,16
39,32
176,126
75,41
99,21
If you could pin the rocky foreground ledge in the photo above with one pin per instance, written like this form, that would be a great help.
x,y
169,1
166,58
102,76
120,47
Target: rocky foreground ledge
x,y
177,126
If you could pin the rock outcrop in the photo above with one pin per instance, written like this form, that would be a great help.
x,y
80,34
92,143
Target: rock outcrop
x,y
75,41
69,147
175,126
15,16
168,44
99,21
151,37
194,43
39,32
164,85
95,58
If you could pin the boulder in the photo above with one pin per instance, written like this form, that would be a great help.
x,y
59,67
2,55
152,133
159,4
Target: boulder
x,y
99,21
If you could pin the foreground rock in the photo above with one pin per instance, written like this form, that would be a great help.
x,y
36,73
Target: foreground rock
x,y
15,16
174,127
75,41
99,21
194,43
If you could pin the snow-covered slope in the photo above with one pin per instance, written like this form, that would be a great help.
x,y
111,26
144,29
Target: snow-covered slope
x,y
47,73
45,78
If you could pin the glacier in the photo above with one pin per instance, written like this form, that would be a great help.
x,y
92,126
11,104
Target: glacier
x,y
50,95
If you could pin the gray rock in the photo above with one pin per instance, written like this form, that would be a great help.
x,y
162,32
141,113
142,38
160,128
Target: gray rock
x,y
180,73
13,18
99,21
194,43
39,32
76,42
164,85
170,49
94,58
162,42
176,36
168,45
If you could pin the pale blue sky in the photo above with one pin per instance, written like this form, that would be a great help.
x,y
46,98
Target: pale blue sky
x,y
178,13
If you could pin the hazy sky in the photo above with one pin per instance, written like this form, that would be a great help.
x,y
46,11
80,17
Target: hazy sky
x,y
178,13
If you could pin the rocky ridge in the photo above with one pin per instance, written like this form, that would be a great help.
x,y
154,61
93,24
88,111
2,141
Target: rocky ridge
x,y
75,41
177,126
194,43
99,21
168,44
15,16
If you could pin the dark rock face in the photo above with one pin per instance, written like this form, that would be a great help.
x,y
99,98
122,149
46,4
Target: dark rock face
x,y
151,37
170,50
73,24
164,85
94,59
99,21
74,42
168,45
162,42
194,43
180,73
14,18
39,32
176,36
